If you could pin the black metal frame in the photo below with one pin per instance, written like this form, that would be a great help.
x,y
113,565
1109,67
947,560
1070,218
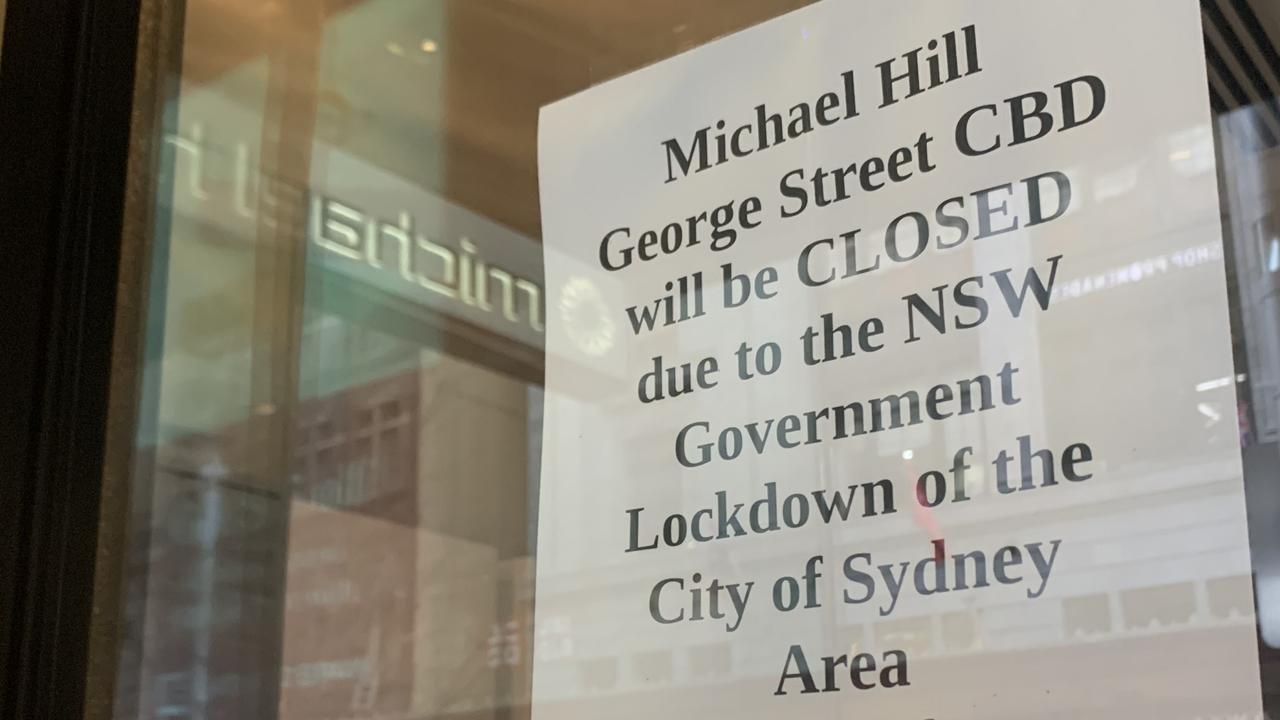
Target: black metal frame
x,y
67,72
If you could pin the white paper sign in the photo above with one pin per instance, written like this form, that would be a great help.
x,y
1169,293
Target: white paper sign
x,y
889,375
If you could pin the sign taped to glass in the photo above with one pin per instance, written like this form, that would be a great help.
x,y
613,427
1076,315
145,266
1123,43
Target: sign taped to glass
x,y
871,440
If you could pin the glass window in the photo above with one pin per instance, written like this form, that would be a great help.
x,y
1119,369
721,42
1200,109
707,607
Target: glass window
x,y
336,477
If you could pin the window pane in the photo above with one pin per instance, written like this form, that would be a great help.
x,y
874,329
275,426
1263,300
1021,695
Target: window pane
x,y
337,478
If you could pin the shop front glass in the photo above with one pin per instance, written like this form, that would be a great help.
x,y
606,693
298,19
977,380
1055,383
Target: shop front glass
x,y
337,474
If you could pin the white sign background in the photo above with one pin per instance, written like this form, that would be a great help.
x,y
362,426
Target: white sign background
x,y
1147,609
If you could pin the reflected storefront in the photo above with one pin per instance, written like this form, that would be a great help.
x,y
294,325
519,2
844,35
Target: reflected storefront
x,y
390,576
335,476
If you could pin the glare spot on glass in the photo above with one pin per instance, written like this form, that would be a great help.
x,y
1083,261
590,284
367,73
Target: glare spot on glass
x,y
1210,412
214,469
908,454
395,48
1116,183
429,46
586,317
976,482
1208,385
1191,152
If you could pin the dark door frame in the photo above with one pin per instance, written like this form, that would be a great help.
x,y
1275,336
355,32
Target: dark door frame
x,y
67,80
